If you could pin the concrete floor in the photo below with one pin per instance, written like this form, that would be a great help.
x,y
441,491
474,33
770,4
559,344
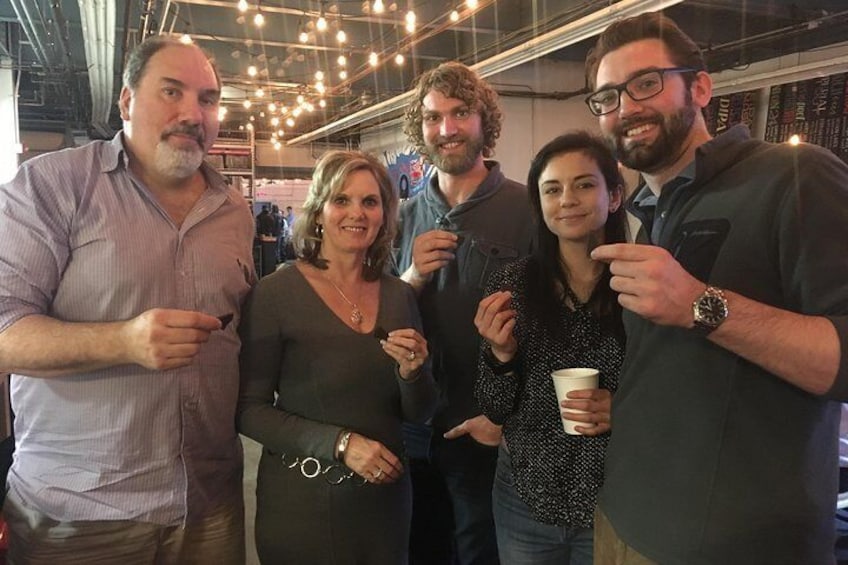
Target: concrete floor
x,y
252,451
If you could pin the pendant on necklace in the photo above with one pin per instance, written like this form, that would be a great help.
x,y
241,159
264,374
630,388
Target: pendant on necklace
x,y
355,316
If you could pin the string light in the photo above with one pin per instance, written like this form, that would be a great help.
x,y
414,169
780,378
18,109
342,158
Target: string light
x,y
242,6
322,103
379,8
321,24
272,107
303,37
410,21
260,93
343,75
454,16
319,75
399,59
246,104
290,122
250,126
341,36
373,59
251,70
297,112
472,4
280,132
259,19
342,60
222,112
300,99
275,121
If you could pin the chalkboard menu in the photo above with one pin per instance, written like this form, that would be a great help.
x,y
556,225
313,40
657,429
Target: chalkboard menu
x,y
815,109
729,110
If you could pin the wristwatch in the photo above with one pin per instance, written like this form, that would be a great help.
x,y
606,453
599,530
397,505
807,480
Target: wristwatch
x,y
709,310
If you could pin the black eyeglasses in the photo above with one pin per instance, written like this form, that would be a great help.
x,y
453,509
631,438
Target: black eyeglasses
x,y
640,87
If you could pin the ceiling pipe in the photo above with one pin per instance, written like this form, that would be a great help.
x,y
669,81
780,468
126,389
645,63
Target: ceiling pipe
x,y
25,21
569,34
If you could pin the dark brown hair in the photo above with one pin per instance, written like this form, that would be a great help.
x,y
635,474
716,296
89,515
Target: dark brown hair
x,y
650,25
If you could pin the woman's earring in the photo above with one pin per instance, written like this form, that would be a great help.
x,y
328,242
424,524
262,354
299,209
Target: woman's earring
x,y
319,231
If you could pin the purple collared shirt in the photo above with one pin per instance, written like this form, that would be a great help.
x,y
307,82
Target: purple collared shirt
x,y
83,240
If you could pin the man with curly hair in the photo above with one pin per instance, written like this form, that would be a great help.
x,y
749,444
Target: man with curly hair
x,y
469,221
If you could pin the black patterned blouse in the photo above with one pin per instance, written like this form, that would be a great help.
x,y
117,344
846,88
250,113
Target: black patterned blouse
x,y
557,475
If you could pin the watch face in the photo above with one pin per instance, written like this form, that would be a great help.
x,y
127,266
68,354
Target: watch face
x,y
712,310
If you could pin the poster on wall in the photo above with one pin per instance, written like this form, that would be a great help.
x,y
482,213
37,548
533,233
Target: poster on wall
x,y
408,171
729,110
816,110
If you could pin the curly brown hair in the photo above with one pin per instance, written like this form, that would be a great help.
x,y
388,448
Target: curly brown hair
x,y
331,173
455,80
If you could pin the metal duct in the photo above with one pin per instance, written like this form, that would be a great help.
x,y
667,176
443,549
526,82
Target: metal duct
x,y
98,30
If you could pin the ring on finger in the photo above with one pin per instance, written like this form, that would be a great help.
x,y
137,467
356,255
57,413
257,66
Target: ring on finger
x,y
411,356
378,474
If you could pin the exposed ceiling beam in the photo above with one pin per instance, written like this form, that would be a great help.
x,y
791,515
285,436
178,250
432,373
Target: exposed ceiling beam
x,y
267,9
569,34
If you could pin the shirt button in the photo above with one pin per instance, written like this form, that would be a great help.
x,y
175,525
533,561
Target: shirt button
x,y
663,214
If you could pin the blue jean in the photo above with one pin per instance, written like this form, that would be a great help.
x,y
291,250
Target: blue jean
x,y
522,540
454,489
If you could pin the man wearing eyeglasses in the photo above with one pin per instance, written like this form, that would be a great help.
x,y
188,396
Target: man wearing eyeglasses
x,y
724,447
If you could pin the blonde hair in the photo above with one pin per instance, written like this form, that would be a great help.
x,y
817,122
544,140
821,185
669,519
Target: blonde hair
x,y
331,173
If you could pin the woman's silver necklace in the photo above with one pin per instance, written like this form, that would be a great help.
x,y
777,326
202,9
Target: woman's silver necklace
x,y
355,313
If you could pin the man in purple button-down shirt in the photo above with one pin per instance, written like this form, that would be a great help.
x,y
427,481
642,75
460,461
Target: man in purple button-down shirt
x,y
118,259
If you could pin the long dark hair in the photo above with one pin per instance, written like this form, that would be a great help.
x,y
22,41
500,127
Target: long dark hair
x,y
547,275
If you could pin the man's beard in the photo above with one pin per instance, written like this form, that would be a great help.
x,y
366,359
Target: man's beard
x,y
664,150
179,163
455,164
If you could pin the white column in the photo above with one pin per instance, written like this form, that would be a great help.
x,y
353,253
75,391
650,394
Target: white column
x,y
10,140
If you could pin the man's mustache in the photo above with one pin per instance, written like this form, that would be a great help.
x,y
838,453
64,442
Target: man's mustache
x,y
192,131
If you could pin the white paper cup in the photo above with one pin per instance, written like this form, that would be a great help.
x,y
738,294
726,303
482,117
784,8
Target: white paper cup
x,y
566,380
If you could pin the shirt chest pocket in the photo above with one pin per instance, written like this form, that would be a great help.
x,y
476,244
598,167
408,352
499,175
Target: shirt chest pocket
x,y
484,258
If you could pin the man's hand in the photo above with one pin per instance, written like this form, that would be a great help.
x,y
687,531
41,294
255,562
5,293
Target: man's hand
x,y
431,251
651,283
495,321
166,339
480,428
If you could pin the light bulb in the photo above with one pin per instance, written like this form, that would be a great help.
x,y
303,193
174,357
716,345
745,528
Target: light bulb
x,y
322,103
185,39
303,37
300,98
259,19
290,122
373,59
399,59
341,36
319,86
260,93
319,75
251,70
280,132
342,60
379,8
275,121
297,111
472,4
321,24
242,6
343,75
246,104
272,107
250,127
454,16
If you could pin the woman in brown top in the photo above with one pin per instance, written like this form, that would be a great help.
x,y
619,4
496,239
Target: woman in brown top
x,y
332,362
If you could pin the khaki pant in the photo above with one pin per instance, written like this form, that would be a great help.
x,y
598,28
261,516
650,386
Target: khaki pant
x,y
36,539
609,549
